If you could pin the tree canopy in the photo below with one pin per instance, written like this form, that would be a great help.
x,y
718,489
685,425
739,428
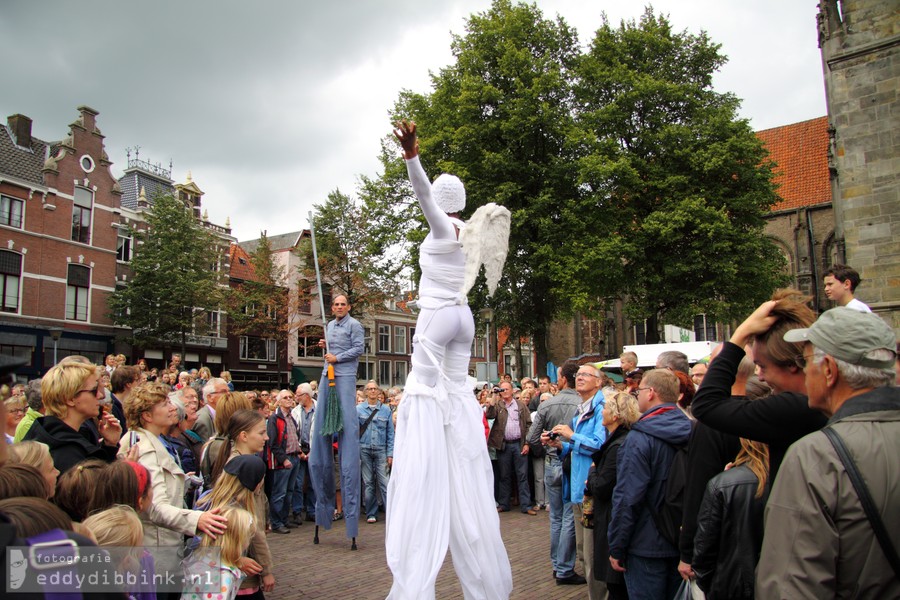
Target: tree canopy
x,y
628,176
354,258
260,305
176,275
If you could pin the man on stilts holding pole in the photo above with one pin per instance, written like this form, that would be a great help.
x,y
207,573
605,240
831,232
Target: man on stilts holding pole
x,y
336,414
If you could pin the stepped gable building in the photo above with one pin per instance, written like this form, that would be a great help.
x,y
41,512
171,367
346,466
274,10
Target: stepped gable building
x,y
59,203
860,46
141,183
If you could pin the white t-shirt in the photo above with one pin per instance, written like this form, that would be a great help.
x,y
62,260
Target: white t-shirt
x,y
858,305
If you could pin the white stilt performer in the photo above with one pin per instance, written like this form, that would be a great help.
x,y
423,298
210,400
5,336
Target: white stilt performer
x,y
441,488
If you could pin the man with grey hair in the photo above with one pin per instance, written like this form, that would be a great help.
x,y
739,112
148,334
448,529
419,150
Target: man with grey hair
x,y
214,389
821,538
304,414
673,360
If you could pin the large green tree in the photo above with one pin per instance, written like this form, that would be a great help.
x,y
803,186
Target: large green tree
x,y
680,181
354,259
175,280
628,176
259,304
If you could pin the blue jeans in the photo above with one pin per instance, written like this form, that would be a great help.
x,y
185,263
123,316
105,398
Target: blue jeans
x,y
651,578
299,500
562,520
374,471
280,503
510,461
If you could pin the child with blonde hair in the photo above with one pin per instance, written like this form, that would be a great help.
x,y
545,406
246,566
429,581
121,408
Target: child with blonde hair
x,y
201,566
120,527
36,454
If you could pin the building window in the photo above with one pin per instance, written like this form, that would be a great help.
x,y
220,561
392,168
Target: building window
x,y
399,339
258,348
704,329
81,215
478,346
23,352
308,342
10,280
11,210
77,289
366,370
384,372
384,338
640,332
400,368
123,248
213,321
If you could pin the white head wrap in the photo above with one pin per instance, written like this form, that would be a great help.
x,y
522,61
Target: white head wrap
x,y
449,194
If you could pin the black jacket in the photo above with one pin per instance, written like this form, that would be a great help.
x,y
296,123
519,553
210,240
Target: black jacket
x,y
67,446
708,453
779,420
601,482
729,535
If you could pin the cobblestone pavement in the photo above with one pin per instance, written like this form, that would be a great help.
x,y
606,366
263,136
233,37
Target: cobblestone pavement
x,y
330,571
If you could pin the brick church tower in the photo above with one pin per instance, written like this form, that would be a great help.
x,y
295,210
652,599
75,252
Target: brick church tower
x,y
860,47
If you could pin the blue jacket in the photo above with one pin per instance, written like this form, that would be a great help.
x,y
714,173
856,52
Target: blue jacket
x,y
380,432
588,437
644,461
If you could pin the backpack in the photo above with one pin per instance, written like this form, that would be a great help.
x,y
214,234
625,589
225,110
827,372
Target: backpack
x,y
668,516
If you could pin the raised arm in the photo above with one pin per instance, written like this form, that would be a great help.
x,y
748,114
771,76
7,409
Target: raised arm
x,y
440,224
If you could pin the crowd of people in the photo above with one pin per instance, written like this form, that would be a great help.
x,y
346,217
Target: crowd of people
x,y
118,458
735,476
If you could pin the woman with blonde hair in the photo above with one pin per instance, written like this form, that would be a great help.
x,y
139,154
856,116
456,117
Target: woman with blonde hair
x,y
619,414
36,454
150,414
71,394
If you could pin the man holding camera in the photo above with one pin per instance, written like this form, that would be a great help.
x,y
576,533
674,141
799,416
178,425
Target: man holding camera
x,y
558,410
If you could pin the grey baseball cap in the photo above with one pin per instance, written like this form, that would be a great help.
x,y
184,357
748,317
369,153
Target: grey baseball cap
x,y
849,335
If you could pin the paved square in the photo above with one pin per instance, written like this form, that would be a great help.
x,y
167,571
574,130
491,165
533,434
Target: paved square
x,y
330,571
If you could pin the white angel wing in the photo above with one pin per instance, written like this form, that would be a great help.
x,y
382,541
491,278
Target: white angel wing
x,y
485,241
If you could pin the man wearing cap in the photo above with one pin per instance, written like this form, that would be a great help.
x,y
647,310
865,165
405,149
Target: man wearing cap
x,y
819,542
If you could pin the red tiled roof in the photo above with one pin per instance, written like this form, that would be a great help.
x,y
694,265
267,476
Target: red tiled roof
x,y
241,268
800,151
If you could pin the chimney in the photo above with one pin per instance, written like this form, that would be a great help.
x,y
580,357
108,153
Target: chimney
x,y
20,125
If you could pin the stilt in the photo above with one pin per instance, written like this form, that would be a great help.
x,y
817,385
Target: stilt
x,y
353,545
316,539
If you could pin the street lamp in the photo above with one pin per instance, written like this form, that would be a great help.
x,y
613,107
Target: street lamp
x,y
55,333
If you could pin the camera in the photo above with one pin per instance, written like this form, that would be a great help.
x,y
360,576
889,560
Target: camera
x,y
553,435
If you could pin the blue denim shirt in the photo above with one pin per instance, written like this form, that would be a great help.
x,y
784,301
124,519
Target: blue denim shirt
x,y
380,432
345,340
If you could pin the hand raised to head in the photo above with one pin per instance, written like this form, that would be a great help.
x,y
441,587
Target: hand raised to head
x,y
405,132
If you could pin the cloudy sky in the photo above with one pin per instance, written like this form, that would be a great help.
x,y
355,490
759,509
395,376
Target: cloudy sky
x,y
272,104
